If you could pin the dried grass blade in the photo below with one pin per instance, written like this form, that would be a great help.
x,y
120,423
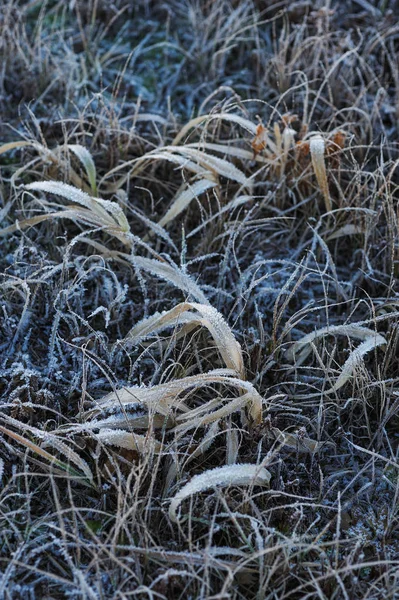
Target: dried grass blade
x,y
52,439
200,419
128,440
297,442
216,165
370,340
232,443
348,229
44,454
136,417
13,145
317,150
184,197
87,161
110,213
355,358
228,150
173,275
206,316
24,223
232,118
302,347
238,474
72,213
161,397
139,164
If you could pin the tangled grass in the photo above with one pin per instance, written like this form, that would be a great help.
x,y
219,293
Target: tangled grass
x,y
199,296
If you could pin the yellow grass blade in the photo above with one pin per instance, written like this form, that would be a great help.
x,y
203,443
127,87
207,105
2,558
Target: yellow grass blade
x,y
69,453
128,440
184,197
317,150
205,415
173,275
297,442
110,212
13,145
197,314
371,340
87,161
230,117
238,474
163,397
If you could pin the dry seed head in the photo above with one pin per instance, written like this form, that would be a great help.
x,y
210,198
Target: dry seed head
x,y
338,140
259,142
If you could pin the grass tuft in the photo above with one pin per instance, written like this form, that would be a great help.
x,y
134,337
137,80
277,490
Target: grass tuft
x,y
199,261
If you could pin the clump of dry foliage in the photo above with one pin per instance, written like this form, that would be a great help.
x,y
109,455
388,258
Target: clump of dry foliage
x,y
199,260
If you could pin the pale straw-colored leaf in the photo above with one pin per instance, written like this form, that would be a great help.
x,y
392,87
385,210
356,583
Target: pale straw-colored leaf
x,y
348,229
128,440
217,165
230,117
137,165
370,340
203,164
197,314
32,221
183,198
162,396
192,159
355,358
278,139
228,150
297,442
301,349
136,416
232,443
69,192
205,416
109,212
173,275
13,145
70,454
171,155
74,214
58,445
87,161
317,149
165,396
238,474
288,139
52,439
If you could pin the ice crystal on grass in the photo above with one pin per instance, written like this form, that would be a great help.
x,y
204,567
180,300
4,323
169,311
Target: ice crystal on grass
x,y
238,474
199,264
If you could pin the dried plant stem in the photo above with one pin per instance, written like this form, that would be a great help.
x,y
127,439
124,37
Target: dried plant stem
x,y
317,151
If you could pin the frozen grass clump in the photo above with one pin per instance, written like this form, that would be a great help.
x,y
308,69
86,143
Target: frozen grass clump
x,y
198,300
